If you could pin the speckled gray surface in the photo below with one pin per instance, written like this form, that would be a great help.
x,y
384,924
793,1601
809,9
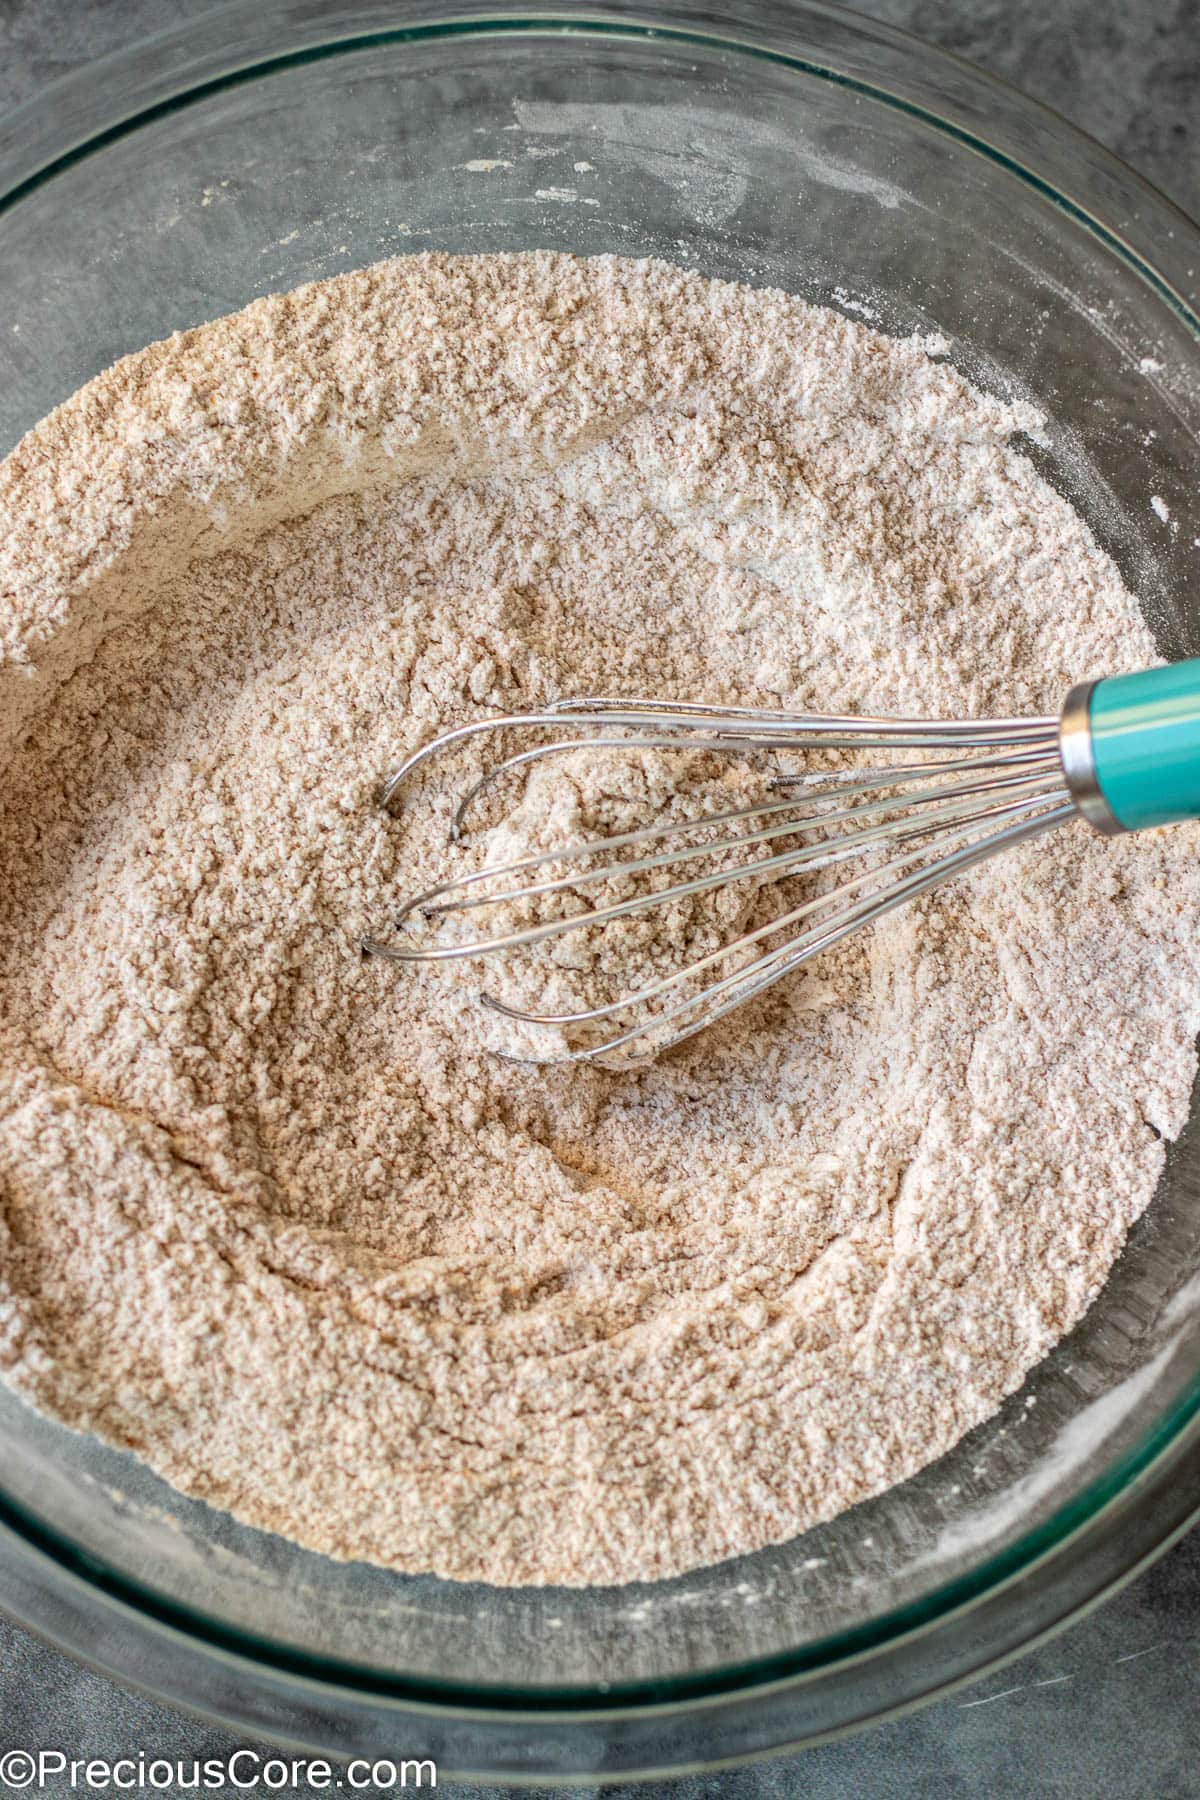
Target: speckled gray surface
x,y
1110,1707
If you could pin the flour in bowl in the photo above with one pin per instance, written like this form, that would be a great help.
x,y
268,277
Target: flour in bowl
x,y
273,1215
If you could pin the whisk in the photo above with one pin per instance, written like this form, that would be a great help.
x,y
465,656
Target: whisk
x,y
947,795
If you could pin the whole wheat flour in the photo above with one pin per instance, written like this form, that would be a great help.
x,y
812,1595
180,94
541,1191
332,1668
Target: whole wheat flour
x,y
273,1215
579,797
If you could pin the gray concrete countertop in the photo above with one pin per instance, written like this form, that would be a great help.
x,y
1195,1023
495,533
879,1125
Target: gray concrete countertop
x,y
1110,1706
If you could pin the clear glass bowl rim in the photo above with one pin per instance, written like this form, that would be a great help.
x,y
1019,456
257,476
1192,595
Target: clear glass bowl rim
x,y
73,119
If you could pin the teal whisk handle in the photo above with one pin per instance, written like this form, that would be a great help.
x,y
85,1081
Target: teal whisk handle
x,y
1131,748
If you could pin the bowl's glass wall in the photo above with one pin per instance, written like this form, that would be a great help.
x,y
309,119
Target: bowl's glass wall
x,y
739,165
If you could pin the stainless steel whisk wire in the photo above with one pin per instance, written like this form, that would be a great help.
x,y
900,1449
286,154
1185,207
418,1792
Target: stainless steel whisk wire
x,y
1002,778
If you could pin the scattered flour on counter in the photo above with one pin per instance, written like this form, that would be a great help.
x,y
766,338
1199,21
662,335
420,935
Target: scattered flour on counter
x,y
271,1215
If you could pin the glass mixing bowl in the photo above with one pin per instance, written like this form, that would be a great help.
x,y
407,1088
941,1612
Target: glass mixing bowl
x,y
278,140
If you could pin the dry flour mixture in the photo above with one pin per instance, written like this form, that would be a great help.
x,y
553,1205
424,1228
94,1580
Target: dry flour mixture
x,y
272,1215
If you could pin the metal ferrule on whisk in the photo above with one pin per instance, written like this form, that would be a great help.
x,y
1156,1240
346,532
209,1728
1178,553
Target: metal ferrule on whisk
x,y
1079,761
